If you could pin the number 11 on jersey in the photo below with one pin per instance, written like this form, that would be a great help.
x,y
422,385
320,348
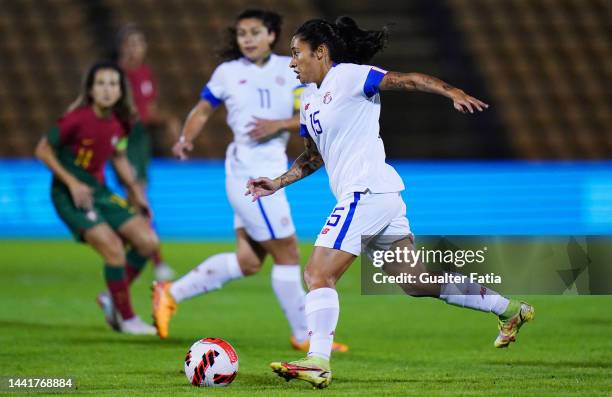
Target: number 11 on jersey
x,y
264,98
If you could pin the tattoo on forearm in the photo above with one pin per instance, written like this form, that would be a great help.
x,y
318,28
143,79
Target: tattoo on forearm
x,y
307,163
397,81
415,82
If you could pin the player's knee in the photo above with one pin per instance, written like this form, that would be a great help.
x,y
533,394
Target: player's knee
x,y
316,277
147,244
151,243
249,264
113,251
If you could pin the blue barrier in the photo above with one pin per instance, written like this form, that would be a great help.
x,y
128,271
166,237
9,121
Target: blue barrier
x,y
509,198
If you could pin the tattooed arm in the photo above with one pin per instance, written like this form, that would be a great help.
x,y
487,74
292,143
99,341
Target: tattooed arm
x,y
422,82
307,163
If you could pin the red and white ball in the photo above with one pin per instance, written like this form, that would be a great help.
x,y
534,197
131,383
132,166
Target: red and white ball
x,y
211,362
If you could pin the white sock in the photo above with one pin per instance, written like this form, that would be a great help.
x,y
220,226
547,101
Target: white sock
x,y
207,276
473,296
322,310
287,285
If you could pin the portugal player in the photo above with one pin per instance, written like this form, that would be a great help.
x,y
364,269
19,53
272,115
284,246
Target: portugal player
x,y
92,131
258,90
132,48
339,122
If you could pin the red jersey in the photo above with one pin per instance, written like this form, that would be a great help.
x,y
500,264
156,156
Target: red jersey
x,y
143,88
87,141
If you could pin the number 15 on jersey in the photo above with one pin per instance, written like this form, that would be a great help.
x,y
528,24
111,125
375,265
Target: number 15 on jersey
x,y
315,124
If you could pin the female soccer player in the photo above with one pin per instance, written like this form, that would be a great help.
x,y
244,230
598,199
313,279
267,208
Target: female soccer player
x,y
339,112
132,54
93,130
258,90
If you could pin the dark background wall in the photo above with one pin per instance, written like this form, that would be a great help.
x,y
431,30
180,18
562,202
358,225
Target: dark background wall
x,y
545,68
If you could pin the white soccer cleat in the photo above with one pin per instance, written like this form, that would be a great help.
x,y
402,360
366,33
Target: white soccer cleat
x,y
110,312
163,272
135,326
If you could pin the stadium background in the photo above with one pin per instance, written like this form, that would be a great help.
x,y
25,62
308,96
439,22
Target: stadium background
x,y
534,163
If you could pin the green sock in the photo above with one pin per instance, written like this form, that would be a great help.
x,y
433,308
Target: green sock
x,y
513,308
113,273
135,260
135,264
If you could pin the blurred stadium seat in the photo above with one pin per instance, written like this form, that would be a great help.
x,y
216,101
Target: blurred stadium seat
x,y
545,66
548,65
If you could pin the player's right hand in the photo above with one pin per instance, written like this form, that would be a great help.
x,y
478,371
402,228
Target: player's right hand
x,y
181,147
260,187
82,195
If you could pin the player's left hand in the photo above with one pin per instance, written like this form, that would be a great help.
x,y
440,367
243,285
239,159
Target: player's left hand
x,y
137,198
263,128
465,103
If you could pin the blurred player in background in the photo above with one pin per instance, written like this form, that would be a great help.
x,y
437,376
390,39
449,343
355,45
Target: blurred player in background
x,y
258,89
339,110
132,50
92,131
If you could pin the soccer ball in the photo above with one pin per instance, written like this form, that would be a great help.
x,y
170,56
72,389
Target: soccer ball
x,y
211,362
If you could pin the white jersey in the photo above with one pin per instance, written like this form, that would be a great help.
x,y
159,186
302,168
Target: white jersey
x,y
341,116
250,91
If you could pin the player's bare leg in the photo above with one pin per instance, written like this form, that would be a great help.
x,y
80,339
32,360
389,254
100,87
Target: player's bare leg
x,y
324,269
287,285
162,271
511,314
143,241
208,276
110,246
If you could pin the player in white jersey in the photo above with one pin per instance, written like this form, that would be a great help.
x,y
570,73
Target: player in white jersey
x,y
339,120
259,91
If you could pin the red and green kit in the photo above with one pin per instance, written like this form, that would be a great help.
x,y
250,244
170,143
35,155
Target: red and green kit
x,y
83,143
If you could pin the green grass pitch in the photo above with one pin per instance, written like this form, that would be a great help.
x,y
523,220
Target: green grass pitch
x,y
51,326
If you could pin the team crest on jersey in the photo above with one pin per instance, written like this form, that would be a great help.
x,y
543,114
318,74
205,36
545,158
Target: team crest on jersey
x,y
280,80
324,231
91,215
114,140
307,106
243,81
327,98
146,87
87,142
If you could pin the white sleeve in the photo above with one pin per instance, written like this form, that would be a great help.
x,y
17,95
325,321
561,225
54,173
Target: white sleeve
x,y
364,80
215,91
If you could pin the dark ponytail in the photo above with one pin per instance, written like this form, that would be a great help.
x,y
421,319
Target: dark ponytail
x,y
361,45
271,20
344,39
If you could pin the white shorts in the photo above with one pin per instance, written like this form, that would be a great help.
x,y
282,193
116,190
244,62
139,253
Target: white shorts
x,y
268,218
364,214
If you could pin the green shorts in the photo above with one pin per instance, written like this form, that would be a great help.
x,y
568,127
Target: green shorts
x,y
108,208
139,151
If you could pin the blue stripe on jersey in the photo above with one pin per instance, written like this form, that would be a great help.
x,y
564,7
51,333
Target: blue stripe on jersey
x,y
370,87
297,87
207,95
303,131
347,221
265,216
